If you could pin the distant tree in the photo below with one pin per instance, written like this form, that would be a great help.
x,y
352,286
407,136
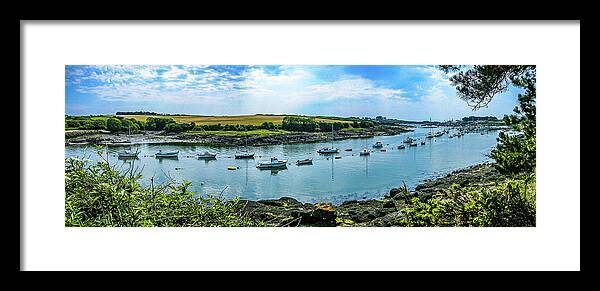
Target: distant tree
x,y
113,124
157,123
477,85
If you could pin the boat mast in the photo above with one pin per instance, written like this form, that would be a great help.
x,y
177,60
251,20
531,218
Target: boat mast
x,y
332,136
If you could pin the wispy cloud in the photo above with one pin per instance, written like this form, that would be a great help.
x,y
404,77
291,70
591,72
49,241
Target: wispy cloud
x,y
267,89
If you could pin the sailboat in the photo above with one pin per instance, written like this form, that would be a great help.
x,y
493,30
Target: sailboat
x,y
327,150
365,151
207,155
274,163
128,153
430,134
245,154
169,154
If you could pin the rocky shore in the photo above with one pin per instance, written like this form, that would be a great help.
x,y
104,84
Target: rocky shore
x,y
149,137
387,211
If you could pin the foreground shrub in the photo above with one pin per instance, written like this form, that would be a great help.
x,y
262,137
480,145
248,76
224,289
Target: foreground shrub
x,y
99,195
509,203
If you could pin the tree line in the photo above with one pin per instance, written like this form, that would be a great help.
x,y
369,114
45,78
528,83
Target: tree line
x,y
304,124
122,124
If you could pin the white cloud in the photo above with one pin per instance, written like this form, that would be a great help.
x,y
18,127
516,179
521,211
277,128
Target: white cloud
x,y
284,89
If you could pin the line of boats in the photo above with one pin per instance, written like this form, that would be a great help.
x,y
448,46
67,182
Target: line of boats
x,y
275,163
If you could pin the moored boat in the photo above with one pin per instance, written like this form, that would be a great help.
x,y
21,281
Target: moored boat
x,y
304,161
401,147
378,145
171,154
207,155
327,150
274,163
128,154
365,152
244,155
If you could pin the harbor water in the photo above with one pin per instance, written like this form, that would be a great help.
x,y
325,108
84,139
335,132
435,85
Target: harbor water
x,y
327,179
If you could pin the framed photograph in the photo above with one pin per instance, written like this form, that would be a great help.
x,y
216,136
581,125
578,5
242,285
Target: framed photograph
x,y
216,141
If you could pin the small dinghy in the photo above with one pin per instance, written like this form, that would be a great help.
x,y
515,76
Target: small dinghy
x,y
348,150
274,163
244,155
378,145
171,154
365,152
128,154
328,150
207,155
304,161
401,147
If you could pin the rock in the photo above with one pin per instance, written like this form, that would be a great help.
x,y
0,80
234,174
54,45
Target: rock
x,y
282,202
389,204
320,215
390,219
363,211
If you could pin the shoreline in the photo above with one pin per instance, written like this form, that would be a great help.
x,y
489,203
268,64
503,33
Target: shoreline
x,y
99,138
287,211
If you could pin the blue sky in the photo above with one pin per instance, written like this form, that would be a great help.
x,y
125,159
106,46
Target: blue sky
x,y
404,92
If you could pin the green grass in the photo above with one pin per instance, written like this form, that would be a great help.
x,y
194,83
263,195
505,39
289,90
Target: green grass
x,y
256,119
262,132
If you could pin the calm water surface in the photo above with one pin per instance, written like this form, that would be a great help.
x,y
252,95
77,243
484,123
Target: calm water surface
x,y
327,179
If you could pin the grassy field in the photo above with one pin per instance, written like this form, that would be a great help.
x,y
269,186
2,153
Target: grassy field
x,y
251,132
233,120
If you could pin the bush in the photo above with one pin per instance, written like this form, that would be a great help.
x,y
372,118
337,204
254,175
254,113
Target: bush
x,y
510,203
98,195
157,123
113,124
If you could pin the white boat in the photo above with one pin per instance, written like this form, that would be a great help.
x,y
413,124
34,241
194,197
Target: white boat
x,y
401,147
378,145
365,152
170,154
245,154
413,144
304,161
207,155
128,154
274,163
327,150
